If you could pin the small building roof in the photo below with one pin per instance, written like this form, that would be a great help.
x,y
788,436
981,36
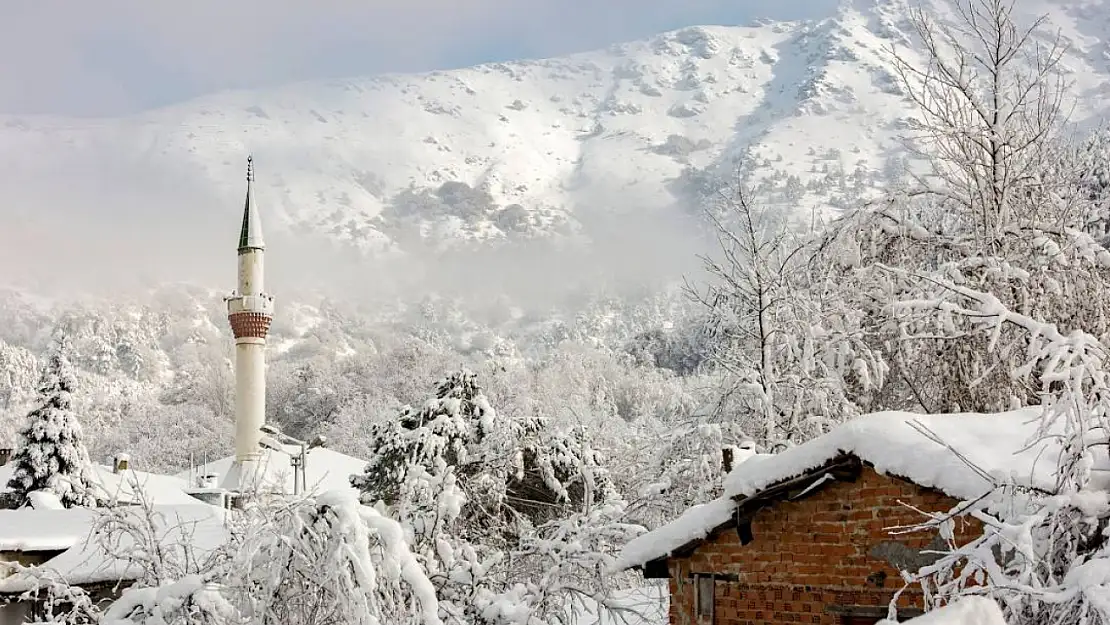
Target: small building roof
x,y
900,444
28,529
325,470
126,486
198,527
46,526
130,486
897,443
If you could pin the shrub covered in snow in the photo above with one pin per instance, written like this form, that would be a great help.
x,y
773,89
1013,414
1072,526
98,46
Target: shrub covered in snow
x,y
315,562
1043,553
994,289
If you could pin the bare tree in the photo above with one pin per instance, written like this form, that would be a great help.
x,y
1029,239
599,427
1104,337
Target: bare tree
x,y
1001,209
990,100
794,358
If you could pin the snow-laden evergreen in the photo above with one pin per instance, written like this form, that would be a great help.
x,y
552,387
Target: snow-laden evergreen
x,y
512,470
515,520
51,454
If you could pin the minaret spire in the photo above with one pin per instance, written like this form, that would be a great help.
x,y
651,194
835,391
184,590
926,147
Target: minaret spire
x,y
250,235
250,311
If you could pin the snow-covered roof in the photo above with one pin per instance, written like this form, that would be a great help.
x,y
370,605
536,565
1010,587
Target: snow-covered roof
x,y
325,470
199,526
28,529
892,442
696,523
127,485
45,526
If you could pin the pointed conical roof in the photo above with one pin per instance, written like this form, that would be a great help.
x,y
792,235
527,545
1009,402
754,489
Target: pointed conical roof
x,y
250,235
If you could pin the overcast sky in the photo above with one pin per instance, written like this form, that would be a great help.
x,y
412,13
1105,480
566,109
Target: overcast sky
x,y
112,57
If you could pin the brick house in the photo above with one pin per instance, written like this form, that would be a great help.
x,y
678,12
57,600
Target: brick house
x,y
805,536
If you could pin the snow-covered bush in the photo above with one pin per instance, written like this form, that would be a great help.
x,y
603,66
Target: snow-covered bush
x,y
58,601
329,560
306,562
966,611
192,600
1043,554
794,355
1003,208
681,464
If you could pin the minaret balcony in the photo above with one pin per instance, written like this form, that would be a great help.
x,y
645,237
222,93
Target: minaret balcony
x,y
262,304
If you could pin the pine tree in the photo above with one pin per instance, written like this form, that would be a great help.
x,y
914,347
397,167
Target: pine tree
x,y
511,469
490,500
52,455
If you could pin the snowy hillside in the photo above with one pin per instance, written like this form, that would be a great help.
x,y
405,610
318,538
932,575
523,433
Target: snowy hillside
x,y
522,148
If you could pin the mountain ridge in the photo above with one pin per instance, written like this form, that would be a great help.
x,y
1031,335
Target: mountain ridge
x,y
518,149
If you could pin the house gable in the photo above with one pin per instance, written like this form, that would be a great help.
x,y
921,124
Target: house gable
x,y
826,556
845,467
952,453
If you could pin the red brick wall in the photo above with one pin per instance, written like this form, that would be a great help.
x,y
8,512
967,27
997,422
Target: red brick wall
x,y
810,554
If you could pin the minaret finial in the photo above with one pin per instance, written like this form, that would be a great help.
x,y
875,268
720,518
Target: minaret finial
x,y
250,168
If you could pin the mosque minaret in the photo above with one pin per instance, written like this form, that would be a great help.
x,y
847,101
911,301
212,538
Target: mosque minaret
x,y
250,310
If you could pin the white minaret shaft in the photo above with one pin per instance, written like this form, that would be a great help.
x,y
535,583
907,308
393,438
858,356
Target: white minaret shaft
x,y
250,310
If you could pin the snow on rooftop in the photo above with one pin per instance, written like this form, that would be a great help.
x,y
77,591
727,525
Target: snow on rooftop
x,y
892,442
130,486
46,526
694,524
28,529
127,485
325,470
198,527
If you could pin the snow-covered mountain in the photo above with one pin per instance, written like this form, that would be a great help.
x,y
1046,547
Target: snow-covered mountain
x,y
522,148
